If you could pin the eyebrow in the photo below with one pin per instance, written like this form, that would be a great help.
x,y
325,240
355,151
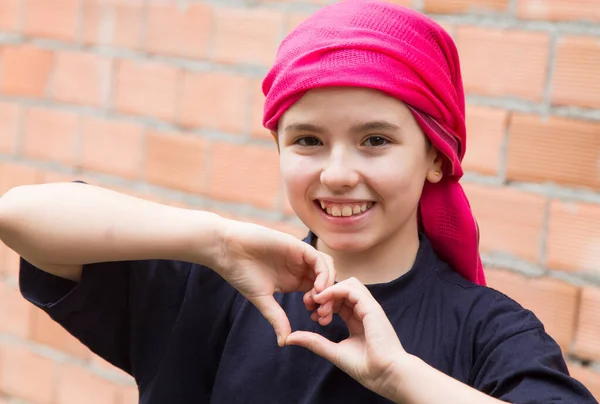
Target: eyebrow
x,y
356,128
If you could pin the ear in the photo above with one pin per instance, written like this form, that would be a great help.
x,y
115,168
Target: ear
x,y
435,173
276,138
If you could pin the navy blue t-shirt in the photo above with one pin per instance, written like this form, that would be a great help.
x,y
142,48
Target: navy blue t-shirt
x,y
187,336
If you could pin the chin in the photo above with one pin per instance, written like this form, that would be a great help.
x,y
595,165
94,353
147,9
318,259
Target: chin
x,y
345,242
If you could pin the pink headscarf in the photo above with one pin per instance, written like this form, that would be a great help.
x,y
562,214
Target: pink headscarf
x,y
374,44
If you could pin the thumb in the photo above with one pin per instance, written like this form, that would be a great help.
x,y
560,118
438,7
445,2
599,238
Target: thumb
x,y
315,343
272,311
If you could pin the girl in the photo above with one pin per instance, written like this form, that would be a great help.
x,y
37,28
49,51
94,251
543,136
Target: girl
x,y
366,103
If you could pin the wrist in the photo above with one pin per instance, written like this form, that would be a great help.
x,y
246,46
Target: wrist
x,y
204,240
402,370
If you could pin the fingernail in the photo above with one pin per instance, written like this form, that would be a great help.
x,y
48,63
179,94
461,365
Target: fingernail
x,y
279,340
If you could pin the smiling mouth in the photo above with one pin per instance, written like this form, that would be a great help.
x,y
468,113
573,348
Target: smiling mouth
x,y
344,209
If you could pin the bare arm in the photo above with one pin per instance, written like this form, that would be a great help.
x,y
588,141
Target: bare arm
x,y
60,227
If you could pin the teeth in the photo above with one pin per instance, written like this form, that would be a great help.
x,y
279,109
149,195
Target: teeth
x,y
345,210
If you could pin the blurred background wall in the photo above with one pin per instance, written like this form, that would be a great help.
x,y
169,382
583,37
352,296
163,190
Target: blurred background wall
x,y
161,99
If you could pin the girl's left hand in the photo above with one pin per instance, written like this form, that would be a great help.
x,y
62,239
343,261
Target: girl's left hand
x,y
373,354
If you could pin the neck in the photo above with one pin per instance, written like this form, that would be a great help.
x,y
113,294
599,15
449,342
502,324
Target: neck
x,y
381,263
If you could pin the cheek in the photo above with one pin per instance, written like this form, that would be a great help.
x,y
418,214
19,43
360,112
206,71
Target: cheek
x,y
296,175
400,181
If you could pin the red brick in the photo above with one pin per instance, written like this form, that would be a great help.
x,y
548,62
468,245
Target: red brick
x,y
574,237
561,150
77,385
287,207
465,6
553,301
575,80
48,177
486,129
244,174
26,375
249,36
113,22
10,263
13,174
111,146
503,62
81,78
587,343
25,70
146,89
100,363
176,161
51,19
293,20
9,15
511,221
559,10
180,31
449,28
9,126
50,135
406,3
15,311
257,102
46,331
588,377
214,101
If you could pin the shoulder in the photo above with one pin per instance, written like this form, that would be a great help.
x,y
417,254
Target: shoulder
x,y
491,313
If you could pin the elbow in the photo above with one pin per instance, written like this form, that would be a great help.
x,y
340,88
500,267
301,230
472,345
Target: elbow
x,y
11,202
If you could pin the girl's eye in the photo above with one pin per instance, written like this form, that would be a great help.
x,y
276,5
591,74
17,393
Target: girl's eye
x,y
308,141
375,141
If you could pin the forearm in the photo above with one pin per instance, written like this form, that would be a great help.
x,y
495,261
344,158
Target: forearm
x,y
419,383
76,224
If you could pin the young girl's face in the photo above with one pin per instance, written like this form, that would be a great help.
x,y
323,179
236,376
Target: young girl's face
x,y
354,162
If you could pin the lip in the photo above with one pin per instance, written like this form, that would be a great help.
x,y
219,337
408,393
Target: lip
x,y
342,200
343,220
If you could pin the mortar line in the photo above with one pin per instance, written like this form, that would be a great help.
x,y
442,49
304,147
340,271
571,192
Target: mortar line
x,y
550,68
504,147
543,241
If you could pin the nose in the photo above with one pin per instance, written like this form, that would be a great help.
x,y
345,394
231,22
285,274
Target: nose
x,y
339,173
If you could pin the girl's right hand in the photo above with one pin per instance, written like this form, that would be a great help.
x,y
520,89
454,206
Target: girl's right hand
x,y
259,261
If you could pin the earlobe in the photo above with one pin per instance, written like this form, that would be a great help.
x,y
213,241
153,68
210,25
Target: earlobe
x,y
436,171
435,175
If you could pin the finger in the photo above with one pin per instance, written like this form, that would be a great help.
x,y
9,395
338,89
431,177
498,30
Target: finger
x,y
331,269
325,320
315,343
326,308
272,311
325,272
308,300
353,292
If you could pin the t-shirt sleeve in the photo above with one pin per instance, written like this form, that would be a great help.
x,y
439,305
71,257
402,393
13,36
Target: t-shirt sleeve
x,y
518,362
95,310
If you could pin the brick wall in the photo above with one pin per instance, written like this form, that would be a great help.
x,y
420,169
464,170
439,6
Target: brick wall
x,y
161,99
